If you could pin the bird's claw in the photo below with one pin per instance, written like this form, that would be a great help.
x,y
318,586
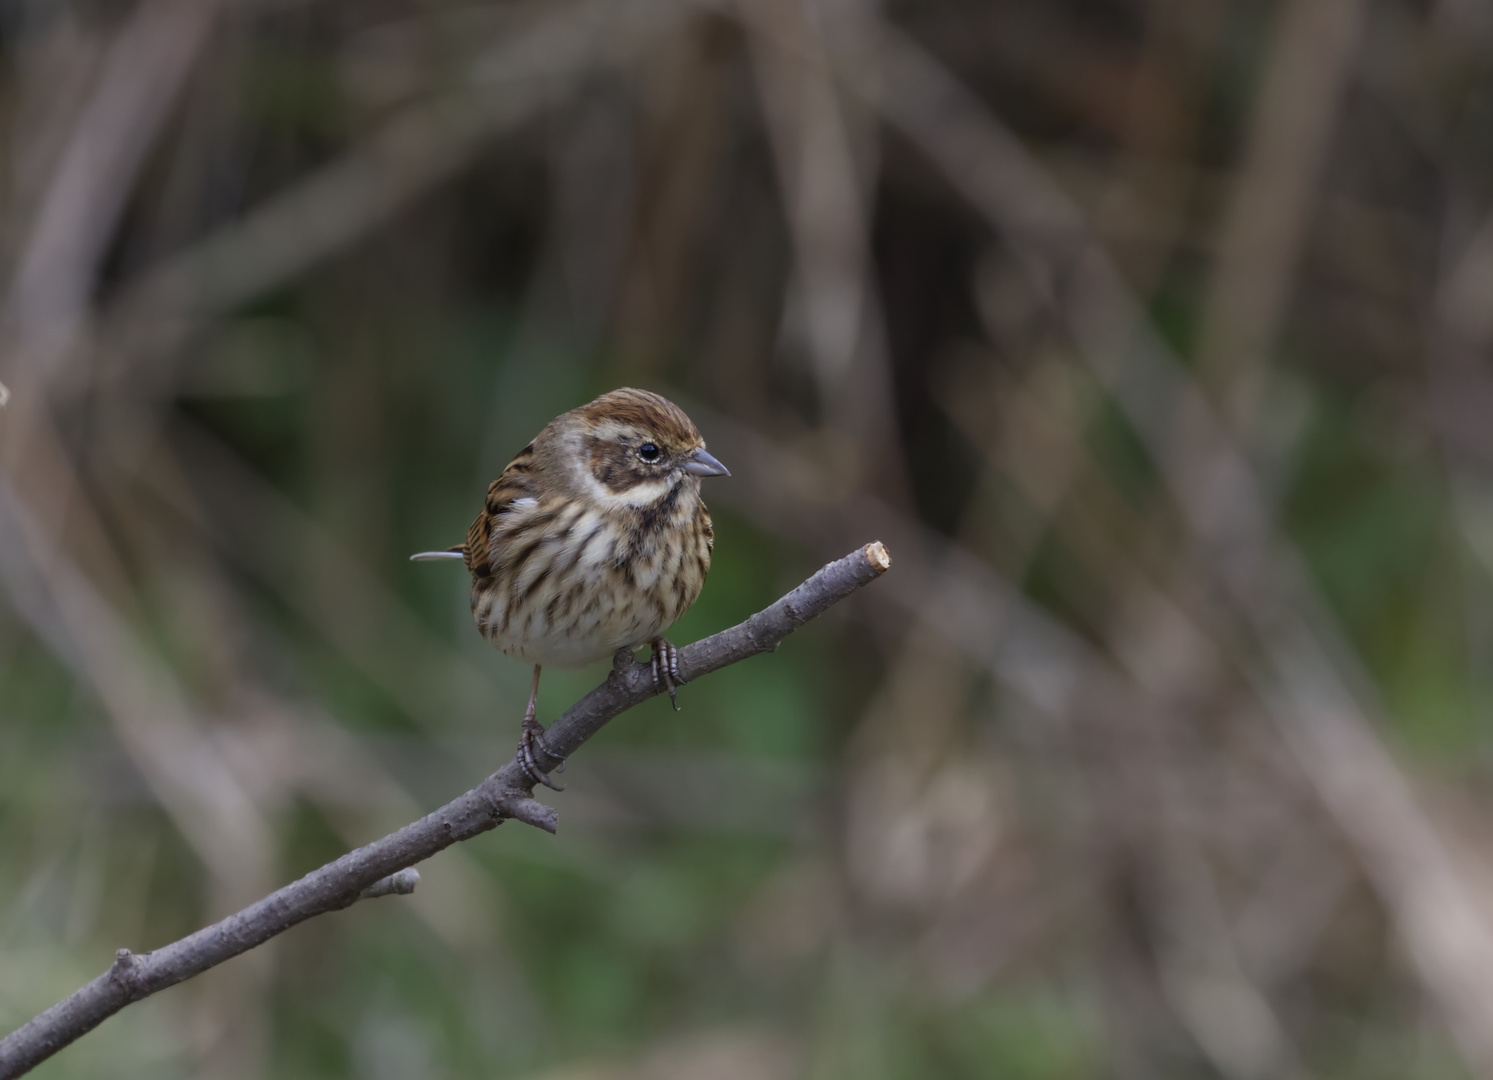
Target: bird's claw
x,y
533,735
665,667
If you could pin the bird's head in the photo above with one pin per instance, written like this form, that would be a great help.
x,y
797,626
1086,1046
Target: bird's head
x,y
634,447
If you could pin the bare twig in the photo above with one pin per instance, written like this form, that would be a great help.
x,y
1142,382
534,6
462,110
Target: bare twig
x,y
376,868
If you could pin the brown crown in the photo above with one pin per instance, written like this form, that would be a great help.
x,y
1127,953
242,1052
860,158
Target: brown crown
x,y
645,410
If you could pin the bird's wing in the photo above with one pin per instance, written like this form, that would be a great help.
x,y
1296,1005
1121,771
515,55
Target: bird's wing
x,y
508,497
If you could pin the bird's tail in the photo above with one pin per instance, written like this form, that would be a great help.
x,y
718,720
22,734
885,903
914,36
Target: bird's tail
x,y
457,552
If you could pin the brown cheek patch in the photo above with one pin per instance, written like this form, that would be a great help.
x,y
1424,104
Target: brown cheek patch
x,y
612,465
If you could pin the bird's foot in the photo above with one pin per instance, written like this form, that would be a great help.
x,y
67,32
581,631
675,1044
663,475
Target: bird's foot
x,y
533,735
665,667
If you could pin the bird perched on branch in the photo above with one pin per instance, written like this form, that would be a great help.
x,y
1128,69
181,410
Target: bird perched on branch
x,y
593,539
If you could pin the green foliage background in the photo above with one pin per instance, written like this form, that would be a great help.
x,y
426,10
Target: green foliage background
x,y
876,854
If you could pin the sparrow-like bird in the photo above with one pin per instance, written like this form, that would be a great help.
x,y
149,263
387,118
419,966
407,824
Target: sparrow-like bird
x,y
593,539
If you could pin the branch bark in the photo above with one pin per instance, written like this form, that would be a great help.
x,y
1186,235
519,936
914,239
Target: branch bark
x,y
382,867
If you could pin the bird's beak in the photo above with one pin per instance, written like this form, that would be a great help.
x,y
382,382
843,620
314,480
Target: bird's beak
x,y
702,464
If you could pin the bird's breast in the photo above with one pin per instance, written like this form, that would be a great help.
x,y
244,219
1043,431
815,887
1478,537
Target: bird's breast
x,y
570,585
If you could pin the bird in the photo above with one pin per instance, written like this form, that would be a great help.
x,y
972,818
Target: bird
x,y
593,539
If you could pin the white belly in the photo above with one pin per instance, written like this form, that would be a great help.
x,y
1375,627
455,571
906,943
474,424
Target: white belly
x,y
585,613
571,600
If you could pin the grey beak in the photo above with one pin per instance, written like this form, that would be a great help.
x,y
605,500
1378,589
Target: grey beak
x,y
702,464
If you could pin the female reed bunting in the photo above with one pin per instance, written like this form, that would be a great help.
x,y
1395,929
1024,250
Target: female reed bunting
x,y
593,539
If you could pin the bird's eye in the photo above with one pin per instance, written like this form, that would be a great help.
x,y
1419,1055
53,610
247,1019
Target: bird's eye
x,y
648,452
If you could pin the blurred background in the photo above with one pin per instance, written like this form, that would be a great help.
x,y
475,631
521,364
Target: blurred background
x,y
1152,336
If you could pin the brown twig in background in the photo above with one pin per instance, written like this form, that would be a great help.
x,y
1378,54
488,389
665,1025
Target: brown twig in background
x,y
331,208
381,867
1319,699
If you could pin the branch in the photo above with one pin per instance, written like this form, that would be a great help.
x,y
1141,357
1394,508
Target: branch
x,y
381,867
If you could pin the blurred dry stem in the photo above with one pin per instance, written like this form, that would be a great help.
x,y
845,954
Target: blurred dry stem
x,y
412,152
1266,224
136,88
1446,929
824,176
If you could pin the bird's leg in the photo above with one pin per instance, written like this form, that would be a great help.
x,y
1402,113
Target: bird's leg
x,y
665,666
533,734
